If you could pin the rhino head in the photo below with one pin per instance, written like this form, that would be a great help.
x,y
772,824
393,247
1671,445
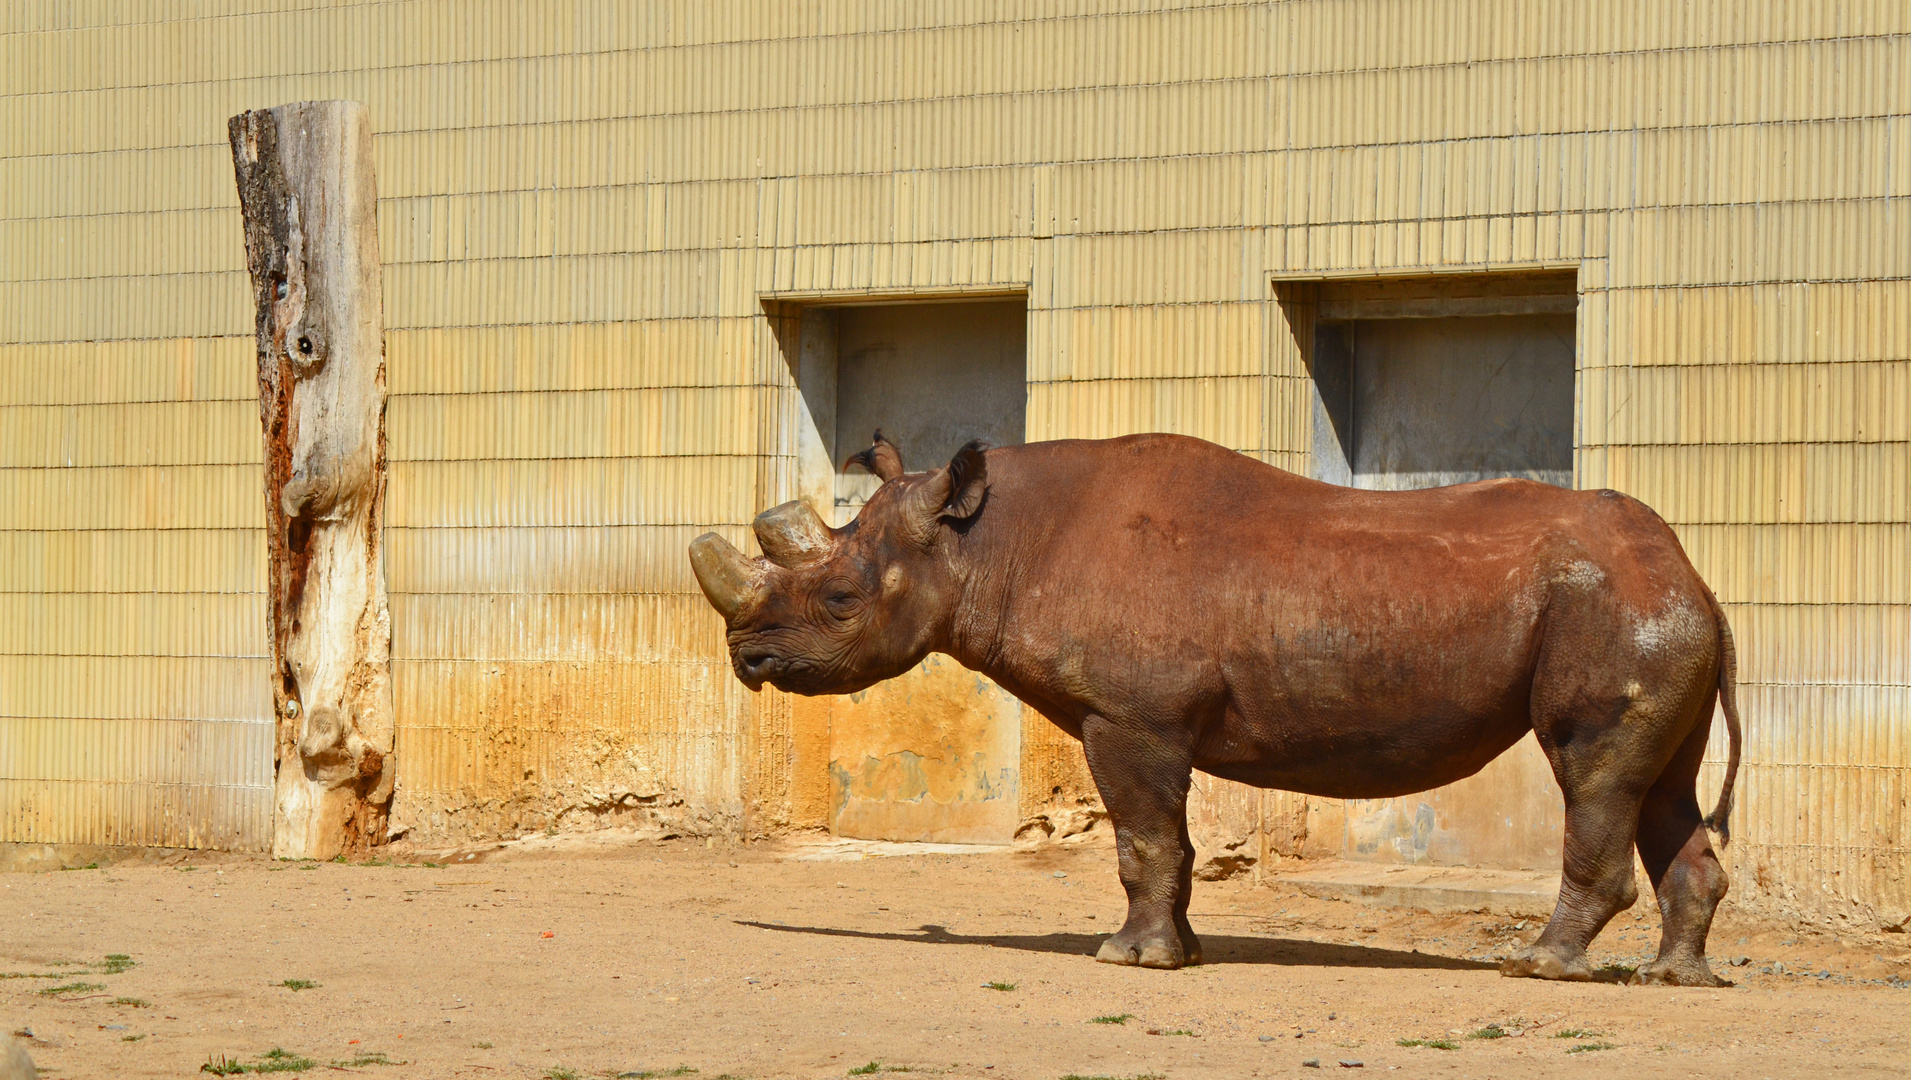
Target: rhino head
x,y
832,611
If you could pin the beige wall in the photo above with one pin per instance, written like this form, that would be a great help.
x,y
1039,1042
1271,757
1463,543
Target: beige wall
x,y
584,207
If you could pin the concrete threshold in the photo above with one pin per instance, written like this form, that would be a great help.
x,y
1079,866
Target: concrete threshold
x,y
845,849
1438,889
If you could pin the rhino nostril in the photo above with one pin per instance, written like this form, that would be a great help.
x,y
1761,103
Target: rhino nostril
x,y
754,660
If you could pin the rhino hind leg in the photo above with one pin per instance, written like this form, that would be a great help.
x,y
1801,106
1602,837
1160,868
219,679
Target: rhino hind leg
x,y
1685,872
1144,784
1596,882
1596,885
1622,704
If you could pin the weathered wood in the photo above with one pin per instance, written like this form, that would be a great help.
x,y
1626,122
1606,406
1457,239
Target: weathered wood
x,y
311,225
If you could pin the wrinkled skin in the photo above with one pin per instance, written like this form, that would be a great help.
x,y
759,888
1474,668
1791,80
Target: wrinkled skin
x,y
1178,606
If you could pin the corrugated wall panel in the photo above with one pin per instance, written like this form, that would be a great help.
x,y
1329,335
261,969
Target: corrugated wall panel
x,y
583,208
1743,344
133,708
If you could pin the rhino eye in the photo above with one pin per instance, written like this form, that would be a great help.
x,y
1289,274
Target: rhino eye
x,y
842,603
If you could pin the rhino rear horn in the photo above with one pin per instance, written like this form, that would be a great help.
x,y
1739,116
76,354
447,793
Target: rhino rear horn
x,y
792,535
730,581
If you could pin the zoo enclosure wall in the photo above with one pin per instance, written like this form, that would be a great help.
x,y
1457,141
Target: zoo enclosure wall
x,y
582,211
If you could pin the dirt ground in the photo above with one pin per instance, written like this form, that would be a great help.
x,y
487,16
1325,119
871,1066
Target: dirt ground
x,y
804,959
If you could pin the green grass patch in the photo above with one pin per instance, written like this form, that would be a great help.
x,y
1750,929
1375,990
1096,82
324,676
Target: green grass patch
x,y
652,1074
1002,986
559,1072
1577,1033
1115,1018
1431,1044
867,1070
376,1057
1587,1048
1176,1031
131,1038
70,988
137,1003
275,1060
113,964
1490,1031
482,1046
279,1060
300,984
88,866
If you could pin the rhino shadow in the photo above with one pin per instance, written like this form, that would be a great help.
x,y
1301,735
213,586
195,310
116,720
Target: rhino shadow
x,y
1219,948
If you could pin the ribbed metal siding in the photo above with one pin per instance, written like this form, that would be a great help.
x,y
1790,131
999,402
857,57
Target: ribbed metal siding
x,y
133,693
582,207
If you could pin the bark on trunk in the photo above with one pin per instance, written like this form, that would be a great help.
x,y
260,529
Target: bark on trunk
x,y
311,228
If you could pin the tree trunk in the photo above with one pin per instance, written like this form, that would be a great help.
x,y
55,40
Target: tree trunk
x,y
311,228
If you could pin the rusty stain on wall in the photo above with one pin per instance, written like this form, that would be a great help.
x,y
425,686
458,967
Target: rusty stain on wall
x,y
932,755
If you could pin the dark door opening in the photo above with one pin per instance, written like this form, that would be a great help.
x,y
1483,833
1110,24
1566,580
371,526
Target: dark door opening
x,y
932,377
934,754
1418,387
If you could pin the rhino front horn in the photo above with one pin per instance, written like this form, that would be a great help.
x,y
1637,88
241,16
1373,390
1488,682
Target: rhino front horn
x,y
792,535
730,581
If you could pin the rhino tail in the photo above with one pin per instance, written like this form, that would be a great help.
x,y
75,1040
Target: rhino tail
x,y
1719,820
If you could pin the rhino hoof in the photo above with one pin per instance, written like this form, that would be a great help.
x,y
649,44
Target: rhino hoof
x,y
1153,954
1161,956
1538,963
1691,971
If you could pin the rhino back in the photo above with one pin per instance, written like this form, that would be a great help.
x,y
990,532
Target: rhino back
x,y
1293,621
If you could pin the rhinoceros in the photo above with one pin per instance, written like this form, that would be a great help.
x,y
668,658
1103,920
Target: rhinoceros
x,y
1176,605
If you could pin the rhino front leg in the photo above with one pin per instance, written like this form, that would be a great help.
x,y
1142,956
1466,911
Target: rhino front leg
x,y
1143,780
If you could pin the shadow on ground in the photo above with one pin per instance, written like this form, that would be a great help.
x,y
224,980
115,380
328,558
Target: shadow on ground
x,y
1217,948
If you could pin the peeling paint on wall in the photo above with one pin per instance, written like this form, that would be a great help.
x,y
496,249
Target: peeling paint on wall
x,y
933,755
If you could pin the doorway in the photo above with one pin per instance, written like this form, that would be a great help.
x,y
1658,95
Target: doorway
x,y
1423,382
935,754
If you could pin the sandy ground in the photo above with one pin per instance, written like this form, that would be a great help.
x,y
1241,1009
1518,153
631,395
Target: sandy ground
x,y
785,960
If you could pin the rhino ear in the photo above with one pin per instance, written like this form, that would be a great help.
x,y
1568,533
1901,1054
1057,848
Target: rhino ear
x,y
883,459
954,492
968,481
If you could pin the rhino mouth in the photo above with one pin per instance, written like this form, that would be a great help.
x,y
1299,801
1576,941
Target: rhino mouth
x,y
756,665
794,662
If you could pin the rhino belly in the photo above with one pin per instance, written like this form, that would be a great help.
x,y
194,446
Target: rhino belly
x,y
1373,719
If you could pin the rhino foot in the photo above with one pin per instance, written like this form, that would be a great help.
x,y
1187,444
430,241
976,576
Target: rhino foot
x,y
1162,952
1190,949
1677,971
1539,962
